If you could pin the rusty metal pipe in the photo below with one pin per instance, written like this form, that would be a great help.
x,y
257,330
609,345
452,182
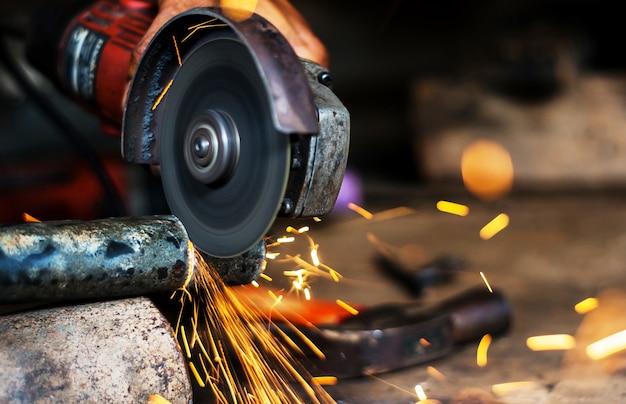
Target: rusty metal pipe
x,y
63,260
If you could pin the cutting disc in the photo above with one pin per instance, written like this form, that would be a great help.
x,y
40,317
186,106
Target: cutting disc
x,y
224,167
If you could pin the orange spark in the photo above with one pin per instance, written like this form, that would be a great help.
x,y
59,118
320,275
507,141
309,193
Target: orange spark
x,y
266,277
482,275
487,169
607,346
436,374
160,97
503,389
325,380
180,62
314,257
424,342
196,374
419,391
347,307
452,208
361,211
585,306
481,351
495,226
552,342
157,399
30,219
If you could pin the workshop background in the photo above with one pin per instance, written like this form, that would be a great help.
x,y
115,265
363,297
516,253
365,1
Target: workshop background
x,y
422,81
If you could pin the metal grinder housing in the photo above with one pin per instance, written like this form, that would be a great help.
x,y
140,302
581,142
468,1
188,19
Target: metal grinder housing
x,y
242,129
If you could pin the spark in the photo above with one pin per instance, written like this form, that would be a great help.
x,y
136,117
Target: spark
x,y
482,275
283,240
30,219
316,219
303,229
347,307
255,284
180,62
453,208
551,342
297,285
503,389
237,336
266,277
585,306
196,375
419,391
204,25
160,97
361,211
481,352
314,257
157,399
335,275
607,346
495,226
291,229
435,373
271,256
307,293
185,343
424,342
325,380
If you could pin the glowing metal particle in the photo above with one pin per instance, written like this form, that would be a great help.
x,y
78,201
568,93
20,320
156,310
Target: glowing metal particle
x,y
495,226
196,374
297,285
29,219
551,342
157,399
608,346
436,374
180,62
586,305
419,391
314,258
283,240
361,211
307,294
271,256
325,380
424,342
347,307
266,277
482,275
453,208
504,389
185,343
160,97
334,275
303,229
317,219
481,352
255,284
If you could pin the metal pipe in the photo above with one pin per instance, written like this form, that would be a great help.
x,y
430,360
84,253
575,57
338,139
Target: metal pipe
x,y
113,257
113,351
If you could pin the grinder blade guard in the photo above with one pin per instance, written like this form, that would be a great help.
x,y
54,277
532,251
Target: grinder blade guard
x,y
242,128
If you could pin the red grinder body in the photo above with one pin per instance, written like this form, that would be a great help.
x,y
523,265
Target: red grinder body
x,y
95,51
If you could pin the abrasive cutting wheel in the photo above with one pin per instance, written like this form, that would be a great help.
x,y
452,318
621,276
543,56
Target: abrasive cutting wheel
x,y
224,166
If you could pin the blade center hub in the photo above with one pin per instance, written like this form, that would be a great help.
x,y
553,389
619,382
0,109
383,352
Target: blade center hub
x,y
211,146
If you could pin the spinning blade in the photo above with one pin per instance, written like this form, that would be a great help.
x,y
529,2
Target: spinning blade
x,y
224,166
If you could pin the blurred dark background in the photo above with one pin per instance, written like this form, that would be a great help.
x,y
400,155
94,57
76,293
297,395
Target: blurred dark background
x,y
380,53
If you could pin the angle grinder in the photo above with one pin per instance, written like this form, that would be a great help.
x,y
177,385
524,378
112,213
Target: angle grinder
x,y
242,129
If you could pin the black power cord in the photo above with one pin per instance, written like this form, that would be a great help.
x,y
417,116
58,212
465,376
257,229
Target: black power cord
x,y
115,204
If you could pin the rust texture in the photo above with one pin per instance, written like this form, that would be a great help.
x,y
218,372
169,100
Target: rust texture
x,y
63,260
